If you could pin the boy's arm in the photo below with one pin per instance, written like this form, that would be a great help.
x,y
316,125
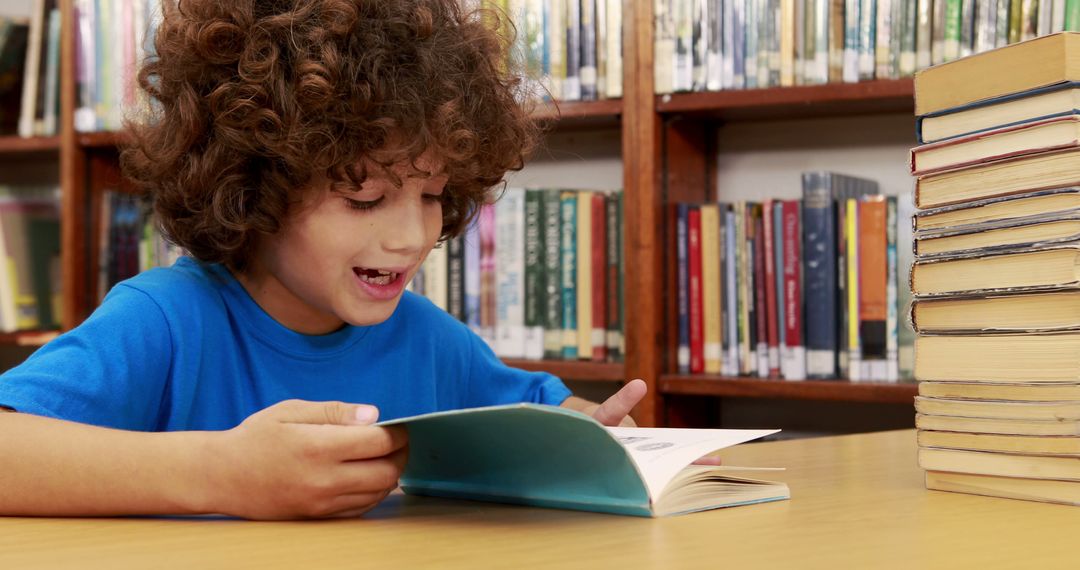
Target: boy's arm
x,y
292,460
616,409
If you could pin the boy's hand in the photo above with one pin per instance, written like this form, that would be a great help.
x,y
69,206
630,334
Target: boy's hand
x,y
300,459
615,411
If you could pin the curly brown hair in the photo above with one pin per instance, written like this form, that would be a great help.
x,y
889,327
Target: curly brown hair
x,y
253,98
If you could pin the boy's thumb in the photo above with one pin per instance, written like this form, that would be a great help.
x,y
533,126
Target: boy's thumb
x,y
334,413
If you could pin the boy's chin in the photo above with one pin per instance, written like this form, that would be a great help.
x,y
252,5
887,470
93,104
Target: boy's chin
x,y
371,313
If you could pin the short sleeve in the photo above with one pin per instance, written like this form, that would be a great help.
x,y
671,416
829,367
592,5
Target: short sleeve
x,y
491,382
110,371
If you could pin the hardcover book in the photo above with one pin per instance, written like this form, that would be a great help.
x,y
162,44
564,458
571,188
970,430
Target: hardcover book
x,y
553,457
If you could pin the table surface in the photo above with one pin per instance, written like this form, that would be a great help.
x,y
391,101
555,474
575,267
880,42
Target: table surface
x,y
857,501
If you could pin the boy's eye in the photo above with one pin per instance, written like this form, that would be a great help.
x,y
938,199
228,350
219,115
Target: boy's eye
x,y
363,204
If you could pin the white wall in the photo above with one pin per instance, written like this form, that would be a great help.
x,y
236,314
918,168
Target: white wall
x,y
16,7
759,160
575,160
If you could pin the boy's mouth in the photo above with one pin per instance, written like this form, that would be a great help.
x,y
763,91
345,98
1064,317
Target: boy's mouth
x,y
376,276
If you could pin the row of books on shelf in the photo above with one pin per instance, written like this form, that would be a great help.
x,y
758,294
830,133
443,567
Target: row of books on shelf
x,y
538,275
128,241
30,72
572,47
30,295
794,289
997,294
112,37
711,45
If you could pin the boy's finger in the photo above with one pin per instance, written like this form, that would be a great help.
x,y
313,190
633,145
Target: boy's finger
x,y
615,408
356,443
334,413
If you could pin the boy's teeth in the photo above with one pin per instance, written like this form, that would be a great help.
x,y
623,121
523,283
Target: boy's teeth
x,y
377,276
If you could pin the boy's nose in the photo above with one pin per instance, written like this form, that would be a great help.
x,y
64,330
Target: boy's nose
x,y
405,233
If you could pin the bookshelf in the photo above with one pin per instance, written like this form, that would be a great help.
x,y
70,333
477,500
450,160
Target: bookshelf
x,y
668,148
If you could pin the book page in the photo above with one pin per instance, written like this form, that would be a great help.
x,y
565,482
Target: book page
x,y
660,453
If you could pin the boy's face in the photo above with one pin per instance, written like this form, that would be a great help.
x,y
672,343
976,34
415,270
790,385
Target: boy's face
x,y
345,257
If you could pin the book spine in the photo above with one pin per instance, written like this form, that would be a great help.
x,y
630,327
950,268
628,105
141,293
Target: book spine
x,y
892,332
568,243
556,46
771,311
601,49
572,83
873,285
731,293
908,38
778,284
867,38
455,293
836,41
951,46
488,300
760,294
1001,38
714,63
1072,15
819,249
552,307
682,244
693,253
436,275
924,37
664,58
750,43
584,275
588,72
787,43
742,282
614,276
700,34
684,49
615,49
851,41
795,357
509,271
751,289
722,287
535,291
599,273
852,293
739,44
727,8
710,283
472,276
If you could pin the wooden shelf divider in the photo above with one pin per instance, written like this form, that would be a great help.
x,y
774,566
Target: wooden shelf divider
x,y
749,387
574,369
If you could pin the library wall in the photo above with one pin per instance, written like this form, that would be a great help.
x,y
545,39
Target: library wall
x,y
577,160
764,159
15,7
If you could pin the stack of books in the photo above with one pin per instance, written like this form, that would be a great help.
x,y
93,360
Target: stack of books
x,y
997,247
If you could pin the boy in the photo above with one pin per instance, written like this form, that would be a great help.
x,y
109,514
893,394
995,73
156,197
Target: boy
x,y
308,154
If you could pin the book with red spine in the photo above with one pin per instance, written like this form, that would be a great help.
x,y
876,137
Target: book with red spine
x,y
771,314
599,277
697,322
794,366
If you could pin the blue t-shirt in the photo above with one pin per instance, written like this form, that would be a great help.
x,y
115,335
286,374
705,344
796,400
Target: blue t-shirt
x,y
186,348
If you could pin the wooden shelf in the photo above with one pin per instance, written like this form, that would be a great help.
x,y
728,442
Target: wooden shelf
x,y
103,139
574,369
834,99
585,114
27,338
10,144
745,387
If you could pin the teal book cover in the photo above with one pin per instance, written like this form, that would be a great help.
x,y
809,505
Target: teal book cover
x,y
549,456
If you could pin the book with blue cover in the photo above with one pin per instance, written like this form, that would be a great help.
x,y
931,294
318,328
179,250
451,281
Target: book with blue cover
x,y
550,456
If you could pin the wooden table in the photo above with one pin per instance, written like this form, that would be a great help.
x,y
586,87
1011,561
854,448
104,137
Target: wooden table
x,y
857,502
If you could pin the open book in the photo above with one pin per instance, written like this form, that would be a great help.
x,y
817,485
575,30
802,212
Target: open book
x,y
553,457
